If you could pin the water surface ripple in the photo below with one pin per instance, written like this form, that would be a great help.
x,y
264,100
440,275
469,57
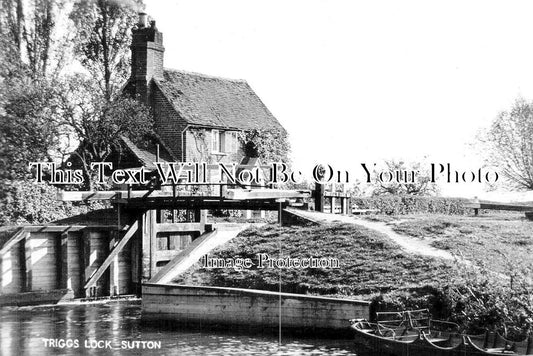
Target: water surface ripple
x,y
32,331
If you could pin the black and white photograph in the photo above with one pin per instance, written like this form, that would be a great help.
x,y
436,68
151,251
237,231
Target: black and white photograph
x,y
252,177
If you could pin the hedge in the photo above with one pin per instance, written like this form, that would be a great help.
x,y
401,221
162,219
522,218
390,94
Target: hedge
x,y
408,204
27,202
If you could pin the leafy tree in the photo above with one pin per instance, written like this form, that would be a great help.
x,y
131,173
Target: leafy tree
x,y
508,144
43,114
28,31
271,145
420,185
31,57
95,124
27,129
102,40
24,201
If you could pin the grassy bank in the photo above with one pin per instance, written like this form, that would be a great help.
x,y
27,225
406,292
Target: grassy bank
x,y
501,242
369,262
372,267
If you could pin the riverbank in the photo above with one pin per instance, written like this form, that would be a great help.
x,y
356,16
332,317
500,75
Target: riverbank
x,y
374,267
502,240
369,262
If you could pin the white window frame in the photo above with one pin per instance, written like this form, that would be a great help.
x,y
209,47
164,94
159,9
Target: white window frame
x,y
233,146
215,141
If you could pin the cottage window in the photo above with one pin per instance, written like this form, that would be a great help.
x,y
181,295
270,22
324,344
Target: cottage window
x,y
232,144
215,141
224,141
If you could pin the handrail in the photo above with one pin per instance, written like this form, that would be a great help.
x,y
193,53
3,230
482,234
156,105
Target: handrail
x,y
406,318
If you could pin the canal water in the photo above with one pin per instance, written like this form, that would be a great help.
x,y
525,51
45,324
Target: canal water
x,y
115,328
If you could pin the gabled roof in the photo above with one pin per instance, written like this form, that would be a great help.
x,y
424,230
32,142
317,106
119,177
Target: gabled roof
x,y
217,102
147,155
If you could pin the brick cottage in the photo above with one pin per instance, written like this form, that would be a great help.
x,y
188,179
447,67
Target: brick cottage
x,y
197,117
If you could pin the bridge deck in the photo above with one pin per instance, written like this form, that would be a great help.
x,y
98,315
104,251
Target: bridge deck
x,y
202,203
261,199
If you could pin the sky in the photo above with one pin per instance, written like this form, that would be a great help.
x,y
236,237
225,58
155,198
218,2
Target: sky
x,y
362,81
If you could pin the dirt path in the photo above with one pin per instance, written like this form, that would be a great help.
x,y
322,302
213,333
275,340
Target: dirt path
x,y
407,243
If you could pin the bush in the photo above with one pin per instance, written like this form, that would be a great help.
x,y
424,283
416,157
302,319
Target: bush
x,y
476,299
409,204
430,297
27,202
484,300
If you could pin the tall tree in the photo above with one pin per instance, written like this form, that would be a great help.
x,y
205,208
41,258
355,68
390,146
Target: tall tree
x,y
508,144
30,59
93,125
12,23
29,32
102,39
27,128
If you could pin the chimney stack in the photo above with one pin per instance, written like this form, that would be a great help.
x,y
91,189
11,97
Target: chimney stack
x,y
146,56
143,20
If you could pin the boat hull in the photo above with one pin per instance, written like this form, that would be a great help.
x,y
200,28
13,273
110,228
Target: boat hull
x,y
419,345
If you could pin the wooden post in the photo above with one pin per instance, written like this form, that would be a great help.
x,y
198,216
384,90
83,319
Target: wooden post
x,y
75,266
62,262
280,213
136,259
333,202
319,197
86,260
145,248
82,248
27,249
99,250
153,241
200,215
344,201
114,284
148,232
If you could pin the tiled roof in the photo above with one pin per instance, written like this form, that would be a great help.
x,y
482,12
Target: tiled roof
x,y
213,101
147,155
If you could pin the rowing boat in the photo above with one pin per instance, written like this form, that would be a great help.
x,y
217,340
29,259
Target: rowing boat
x,y
414,333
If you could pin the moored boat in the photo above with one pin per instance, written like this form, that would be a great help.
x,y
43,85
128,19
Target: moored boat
x,y
414,333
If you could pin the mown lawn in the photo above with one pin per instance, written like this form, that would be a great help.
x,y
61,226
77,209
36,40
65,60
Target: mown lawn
x,y
369,262
501,242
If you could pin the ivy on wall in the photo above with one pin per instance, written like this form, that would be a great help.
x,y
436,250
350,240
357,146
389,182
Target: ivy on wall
x,y
200,141
271,145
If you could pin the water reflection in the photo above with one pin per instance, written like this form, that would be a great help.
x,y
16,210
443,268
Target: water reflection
x,y
73,329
